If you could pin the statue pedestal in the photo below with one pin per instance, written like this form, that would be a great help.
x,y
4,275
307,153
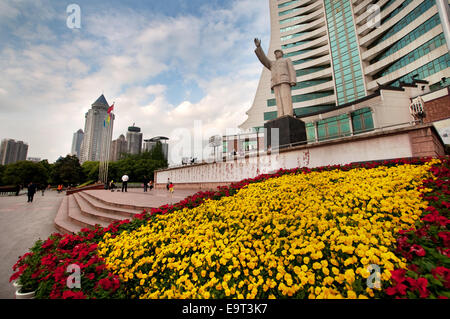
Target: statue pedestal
x,y
290,131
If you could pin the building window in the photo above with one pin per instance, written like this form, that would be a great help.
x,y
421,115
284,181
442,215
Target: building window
x,y
303,97
311,132
270,115
362,120
414,55
333,127
441,63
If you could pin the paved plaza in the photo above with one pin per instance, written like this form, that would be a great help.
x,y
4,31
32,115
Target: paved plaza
x,y
21,224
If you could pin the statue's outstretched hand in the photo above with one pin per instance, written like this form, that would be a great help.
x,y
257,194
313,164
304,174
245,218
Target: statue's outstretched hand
x,y
257,42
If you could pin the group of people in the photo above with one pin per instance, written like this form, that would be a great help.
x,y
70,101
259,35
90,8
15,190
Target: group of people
x,y
147,183
169,186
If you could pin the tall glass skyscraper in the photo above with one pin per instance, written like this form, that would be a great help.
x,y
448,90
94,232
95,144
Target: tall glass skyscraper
x,y
343,50
76,142
97,132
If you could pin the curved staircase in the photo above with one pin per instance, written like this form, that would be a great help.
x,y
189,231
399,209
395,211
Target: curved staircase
x,y
87,208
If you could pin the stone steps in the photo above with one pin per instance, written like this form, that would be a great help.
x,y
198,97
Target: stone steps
x,y
87,208
62,221
95,207
77,212
77,217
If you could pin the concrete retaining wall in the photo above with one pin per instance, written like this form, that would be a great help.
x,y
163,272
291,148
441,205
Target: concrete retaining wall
x,y
397,143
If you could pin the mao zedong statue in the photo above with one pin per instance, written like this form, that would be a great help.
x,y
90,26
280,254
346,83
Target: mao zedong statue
x,y
283,78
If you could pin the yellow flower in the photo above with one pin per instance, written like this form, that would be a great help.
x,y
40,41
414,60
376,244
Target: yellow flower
x,y
257,239
351,294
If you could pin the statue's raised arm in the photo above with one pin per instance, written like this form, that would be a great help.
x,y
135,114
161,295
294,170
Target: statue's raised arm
x,y
261,55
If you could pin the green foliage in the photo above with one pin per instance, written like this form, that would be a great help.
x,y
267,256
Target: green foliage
x,y
2,169
24,172
136,166
90,170
67,171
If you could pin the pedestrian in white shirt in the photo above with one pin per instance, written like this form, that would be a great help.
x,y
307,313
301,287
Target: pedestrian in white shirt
x,y
125,182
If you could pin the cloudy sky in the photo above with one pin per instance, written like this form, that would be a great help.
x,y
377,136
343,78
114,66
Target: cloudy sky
x,y
165,64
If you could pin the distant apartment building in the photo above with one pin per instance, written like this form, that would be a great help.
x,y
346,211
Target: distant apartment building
x,y
34,159
134,140
97,132
12,151
76,142
118,148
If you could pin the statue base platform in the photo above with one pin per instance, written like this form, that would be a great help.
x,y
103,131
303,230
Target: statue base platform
x,y
290,131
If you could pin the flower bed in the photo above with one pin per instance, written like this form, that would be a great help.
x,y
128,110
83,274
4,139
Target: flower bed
x,y
296,233
426,247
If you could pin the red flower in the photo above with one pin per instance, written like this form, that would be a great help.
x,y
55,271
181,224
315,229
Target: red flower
x,y
90,276
445,235
421,284
398,275
418,250
69,294
399,288
48,243
442,274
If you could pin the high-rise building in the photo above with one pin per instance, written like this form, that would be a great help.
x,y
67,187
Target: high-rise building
x,y
118,147
12,151
76,142
97,131
149,144
345,50
134,140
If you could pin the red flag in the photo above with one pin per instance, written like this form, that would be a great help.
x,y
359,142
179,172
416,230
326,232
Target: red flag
x,y
110,108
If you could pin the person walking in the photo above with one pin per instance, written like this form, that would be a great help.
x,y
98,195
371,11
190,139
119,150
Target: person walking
x,y
168,184
125,179
145,181
31,191
43,189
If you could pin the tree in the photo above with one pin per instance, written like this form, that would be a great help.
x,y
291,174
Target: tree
x,y
157,154
67,170
24,172
90,171
2,169
48,167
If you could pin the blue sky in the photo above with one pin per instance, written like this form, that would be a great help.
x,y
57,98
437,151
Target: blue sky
x,y
165,64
